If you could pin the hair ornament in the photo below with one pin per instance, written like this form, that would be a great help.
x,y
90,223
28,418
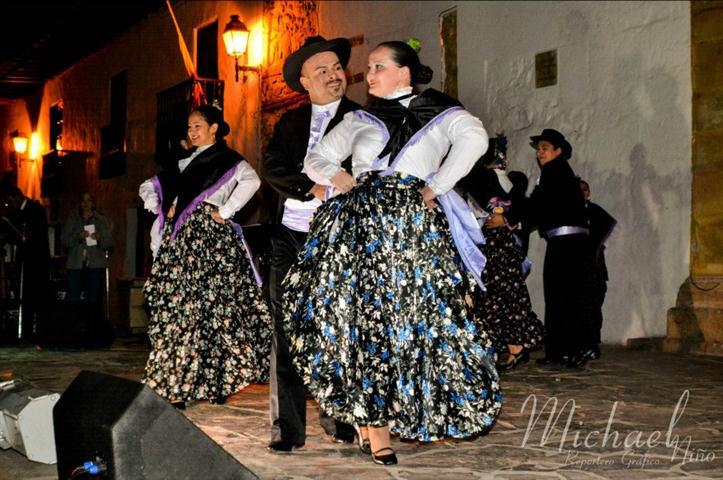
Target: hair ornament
x,y
415,43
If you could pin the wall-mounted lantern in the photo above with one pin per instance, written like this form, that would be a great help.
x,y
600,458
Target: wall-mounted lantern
x,y
20,142
236,39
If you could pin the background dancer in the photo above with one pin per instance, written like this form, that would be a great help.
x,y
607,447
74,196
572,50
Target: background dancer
x,y
558,210
504,307
210,329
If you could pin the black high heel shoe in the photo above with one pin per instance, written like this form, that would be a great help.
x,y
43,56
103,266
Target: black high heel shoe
x,y
218,400
364,444
179,404
523,356
388,459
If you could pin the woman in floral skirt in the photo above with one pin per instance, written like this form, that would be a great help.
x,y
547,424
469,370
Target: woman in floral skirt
x,y
504,309
209,327
381,332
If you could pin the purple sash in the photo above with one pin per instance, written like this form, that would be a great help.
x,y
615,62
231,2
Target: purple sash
x,y
239,231
466,233
297,219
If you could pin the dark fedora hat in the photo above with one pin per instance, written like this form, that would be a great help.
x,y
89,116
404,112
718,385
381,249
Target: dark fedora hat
x,y
312,46
556,138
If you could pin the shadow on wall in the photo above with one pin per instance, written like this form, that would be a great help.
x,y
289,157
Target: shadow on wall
x,y
650,242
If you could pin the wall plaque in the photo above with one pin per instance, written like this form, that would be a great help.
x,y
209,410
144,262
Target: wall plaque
x,y
546,69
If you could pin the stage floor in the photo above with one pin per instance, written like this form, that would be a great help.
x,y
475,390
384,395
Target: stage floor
x,y
637,415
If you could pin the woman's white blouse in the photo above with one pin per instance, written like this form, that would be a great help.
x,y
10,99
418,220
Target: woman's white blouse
x,y
229,198
458,132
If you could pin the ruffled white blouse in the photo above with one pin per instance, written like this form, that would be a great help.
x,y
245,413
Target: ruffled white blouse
x,y
457,134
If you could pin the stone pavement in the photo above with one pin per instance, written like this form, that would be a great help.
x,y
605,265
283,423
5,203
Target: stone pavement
x,y
629,415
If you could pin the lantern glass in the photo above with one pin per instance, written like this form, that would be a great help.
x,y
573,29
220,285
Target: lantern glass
x,y
20,144
235,37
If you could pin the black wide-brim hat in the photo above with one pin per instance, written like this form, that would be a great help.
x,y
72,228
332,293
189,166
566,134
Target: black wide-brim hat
x,y
556,138
312,46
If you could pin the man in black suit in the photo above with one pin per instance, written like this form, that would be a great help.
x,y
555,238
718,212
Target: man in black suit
x,y
317,68
601,226
557,208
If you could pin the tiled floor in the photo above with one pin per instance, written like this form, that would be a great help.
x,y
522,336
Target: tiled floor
x,y
629,415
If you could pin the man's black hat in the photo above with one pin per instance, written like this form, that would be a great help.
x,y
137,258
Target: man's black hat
x,y
555,138
312,46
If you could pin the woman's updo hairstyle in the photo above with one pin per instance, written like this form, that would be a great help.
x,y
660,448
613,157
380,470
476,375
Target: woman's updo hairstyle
x,y
405,56
213,115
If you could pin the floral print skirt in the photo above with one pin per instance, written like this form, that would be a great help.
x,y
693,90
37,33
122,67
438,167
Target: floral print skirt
x,y
505,309
379,328
210,329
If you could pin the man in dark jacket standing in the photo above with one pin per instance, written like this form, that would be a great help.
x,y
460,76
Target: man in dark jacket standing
x,y
28,226
317,68
558,209
601,226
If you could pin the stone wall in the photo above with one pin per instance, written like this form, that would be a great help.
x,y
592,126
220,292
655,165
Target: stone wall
x,y
707,66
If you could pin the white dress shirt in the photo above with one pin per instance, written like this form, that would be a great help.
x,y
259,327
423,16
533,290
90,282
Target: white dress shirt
x,y
458,132
297,212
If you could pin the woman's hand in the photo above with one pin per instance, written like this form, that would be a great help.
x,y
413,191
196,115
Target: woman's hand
x,y
342,181
428,195
171,212
495,220
217,217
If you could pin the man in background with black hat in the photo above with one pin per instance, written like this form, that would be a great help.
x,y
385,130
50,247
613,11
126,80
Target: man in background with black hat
x,y
558,209
317,68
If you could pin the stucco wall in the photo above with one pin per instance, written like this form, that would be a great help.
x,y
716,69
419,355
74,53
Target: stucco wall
x,y
623,98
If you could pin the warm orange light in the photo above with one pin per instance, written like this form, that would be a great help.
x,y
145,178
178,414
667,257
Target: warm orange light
x,y
20,144
35,146
58,145
235,37
255,54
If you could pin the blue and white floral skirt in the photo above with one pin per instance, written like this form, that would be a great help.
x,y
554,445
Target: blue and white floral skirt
x,y
210,328
379,327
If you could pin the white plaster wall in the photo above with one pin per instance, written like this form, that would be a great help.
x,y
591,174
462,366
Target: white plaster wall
x,y
623,98
381,21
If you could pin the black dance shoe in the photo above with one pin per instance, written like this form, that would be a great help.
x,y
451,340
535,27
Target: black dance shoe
x,y
523,356
283,446
218,400
596,352
388,459
364,444
581,358
179,404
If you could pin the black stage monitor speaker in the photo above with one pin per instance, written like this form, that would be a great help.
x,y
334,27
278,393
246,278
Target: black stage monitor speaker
x,y
134,433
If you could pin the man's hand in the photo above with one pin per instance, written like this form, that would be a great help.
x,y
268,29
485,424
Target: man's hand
x,y
428,195
342,181
319,191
